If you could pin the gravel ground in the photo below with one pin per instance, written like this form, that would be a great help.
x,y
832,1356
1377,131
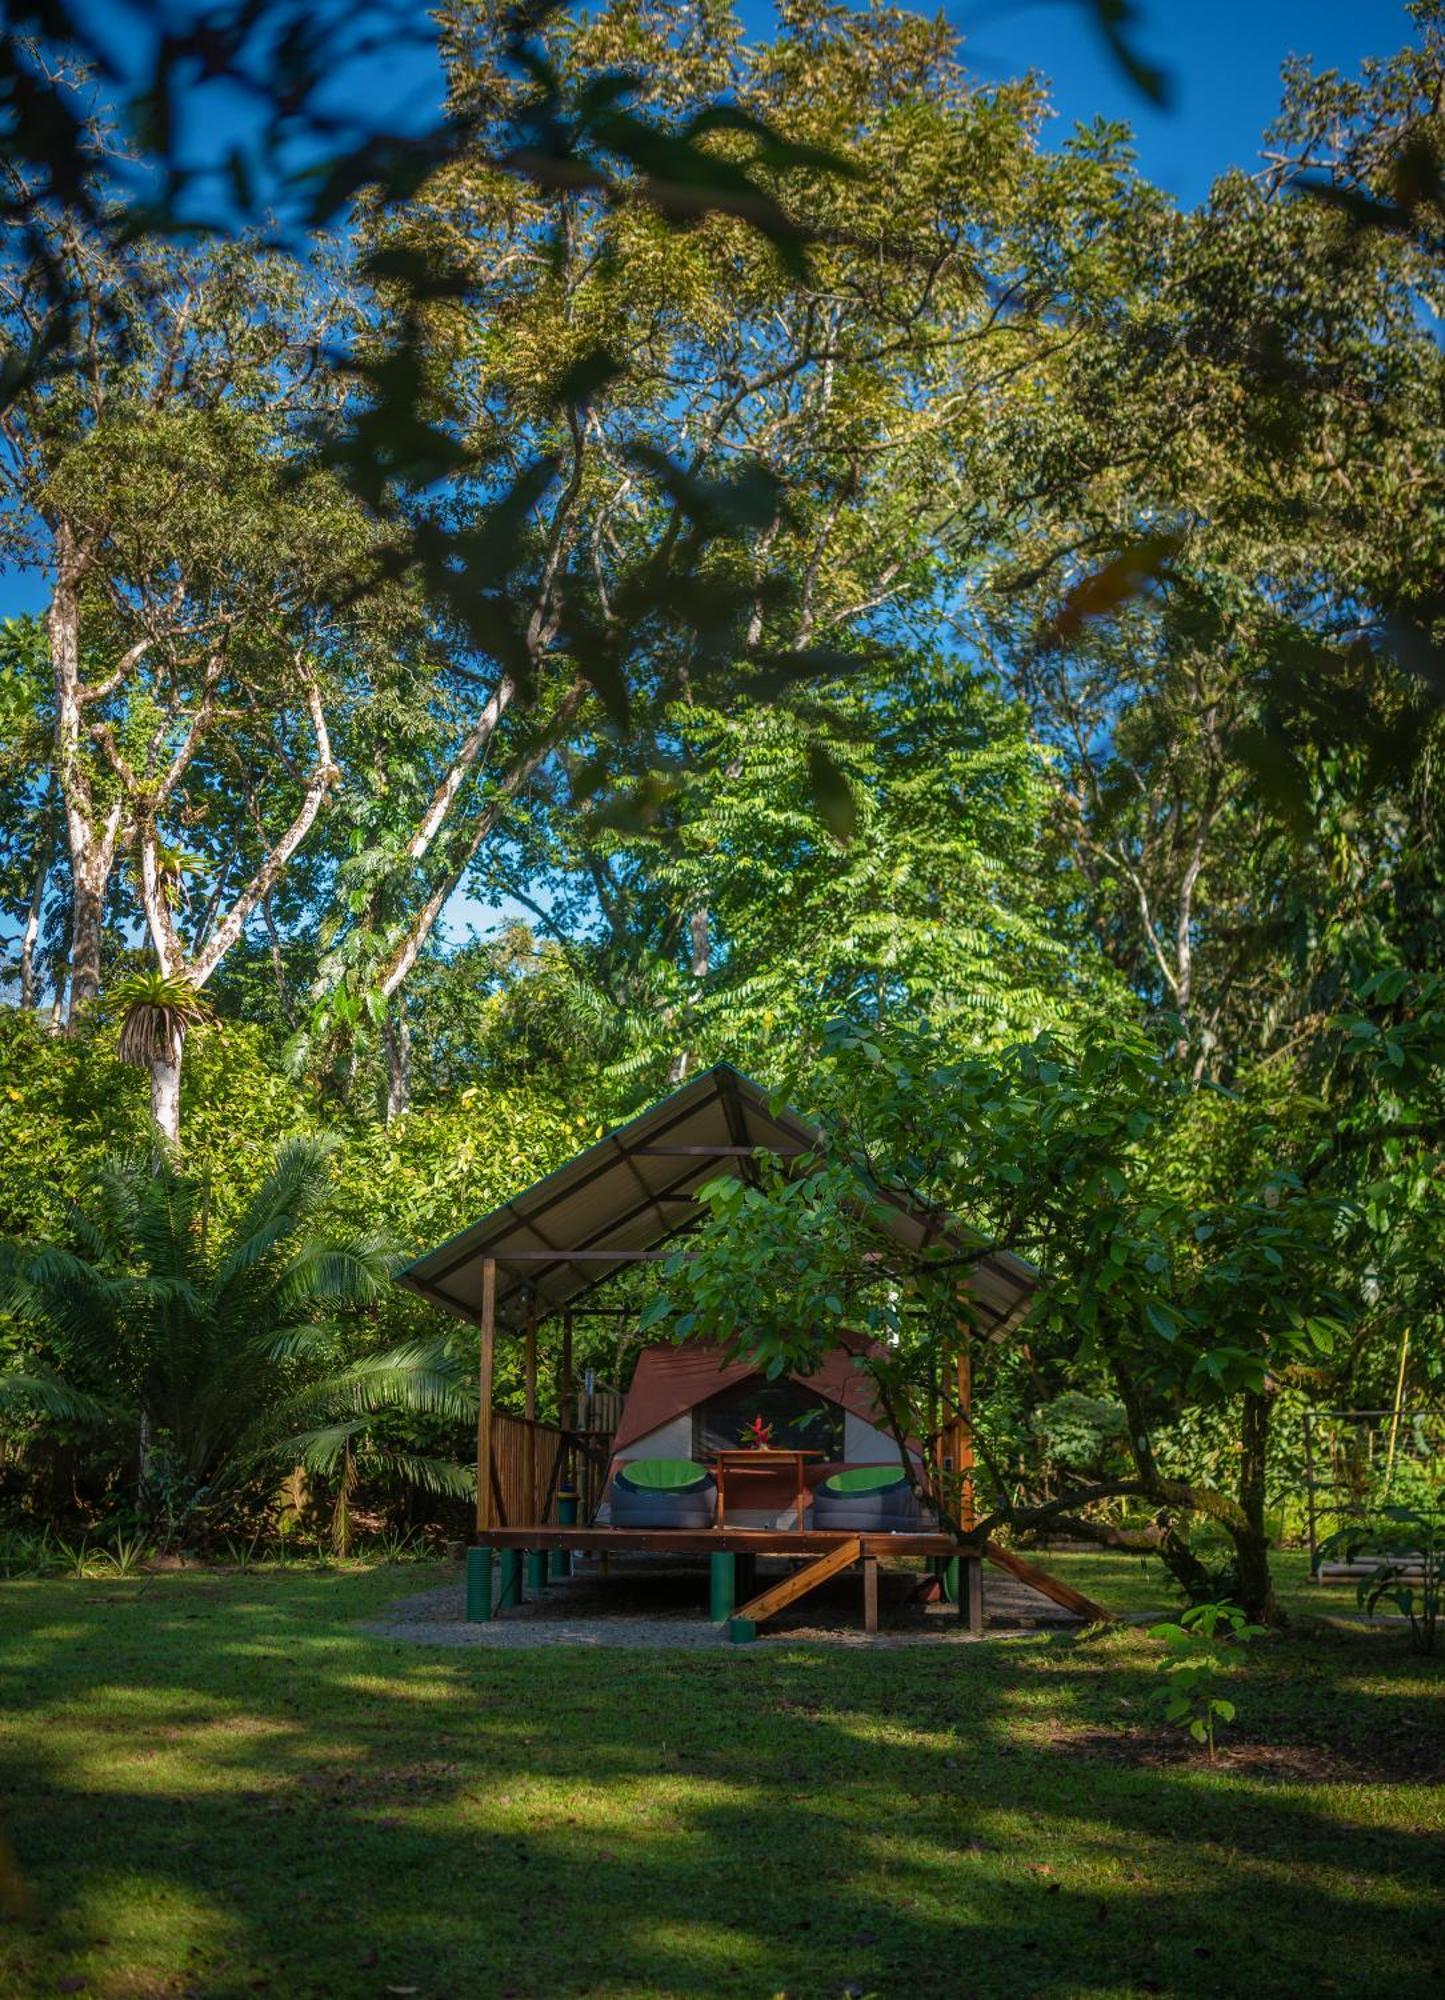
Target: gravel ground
x,y
654,1602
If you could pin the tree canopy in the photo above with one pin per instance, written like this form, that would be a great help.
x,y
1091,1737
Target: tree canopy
x,y
861,591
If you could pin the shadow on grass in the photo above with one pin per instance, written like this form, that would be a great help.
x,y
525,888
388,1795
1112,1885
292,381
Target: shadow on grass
x,y
228,1784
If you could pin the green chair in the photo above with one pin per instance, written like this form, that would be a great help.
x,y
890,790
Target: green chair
x,y
867,1499
663,1493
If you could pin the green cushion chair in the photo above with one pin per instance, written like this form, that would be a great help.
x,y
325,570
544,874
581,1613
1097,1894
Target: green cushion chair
x,y
663,1493
867,1499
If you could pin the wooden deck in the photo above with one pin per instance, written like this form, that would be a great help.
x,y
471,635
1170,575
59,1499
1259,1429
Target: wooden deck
x,y
819,1546
710,1541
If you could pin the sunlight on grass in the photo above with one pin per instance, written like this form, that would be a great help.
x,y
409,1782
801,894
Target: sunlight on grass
x,y
665,1824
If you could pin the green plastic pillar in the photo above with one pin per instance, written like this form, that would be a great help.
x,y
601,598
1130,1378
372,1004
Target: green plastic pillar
x,y
509,1580
536,1569
561,1564
950,1580
479,1586
723,1593
742,1631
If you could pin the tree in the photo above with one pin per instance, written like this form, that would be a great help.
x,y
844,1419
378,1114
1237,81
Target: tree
x,y
1069,1155
1222,627
31,857
738,469
728,923
197,557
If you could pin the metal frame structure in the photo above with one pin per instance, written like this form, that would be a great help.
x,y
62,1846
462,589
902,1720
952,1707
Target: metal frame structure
x,y
1381,1428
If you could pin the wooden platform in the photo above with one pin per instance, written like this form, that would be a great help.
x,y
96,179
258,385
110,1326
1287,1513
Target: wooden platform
x,y
710,1541
818,1547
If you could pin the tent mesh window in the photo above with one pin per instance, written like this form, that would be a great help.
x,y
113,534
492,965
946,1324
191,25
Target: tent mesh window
x,y
801,1419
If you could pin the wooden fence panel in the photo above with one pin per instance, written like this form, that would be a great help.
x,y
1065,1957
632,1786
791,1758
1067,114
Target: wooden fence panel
x,y
526,1466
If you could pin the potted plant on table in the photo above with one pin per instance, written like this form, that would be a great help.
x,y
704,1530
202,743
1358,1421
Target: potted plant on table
x,y
757,1434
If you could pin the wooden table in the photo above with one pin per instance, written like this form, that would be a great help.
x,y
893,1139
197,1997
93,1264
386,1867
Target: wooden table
x,y
749,1458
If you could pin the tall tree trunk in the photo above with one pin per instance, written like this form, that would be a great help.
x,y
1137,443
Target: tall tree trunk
x,y
701,966
396,1040
92,835
1256,1588
31,932
87,908
165,1073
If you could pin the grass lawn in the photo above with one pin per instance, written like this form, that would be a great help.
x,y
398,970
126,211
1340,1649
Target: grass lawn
x,y
218,1785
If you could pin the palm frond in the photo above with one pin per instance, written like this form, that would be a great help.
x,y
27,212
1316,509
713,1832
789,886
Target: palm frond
x,y
353,1270
296,1188
32,1386
321,1450
443,1476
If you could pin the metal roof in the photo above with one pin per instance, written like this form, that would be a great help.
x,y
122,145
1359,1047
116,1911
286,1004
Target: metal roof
x,y
634,1190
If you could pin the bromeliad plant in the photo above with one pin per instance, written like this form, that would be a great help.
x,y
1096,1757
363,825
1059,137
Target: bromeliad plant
x,y
758,1434
1193,1666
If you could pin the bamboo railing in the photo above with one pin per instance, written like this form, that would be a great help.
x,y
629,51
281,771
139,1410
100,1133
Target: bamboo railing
x,y
526,1466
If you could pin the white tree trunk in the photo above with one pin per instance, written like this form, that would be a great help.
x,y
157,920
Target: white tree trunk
x,y
166,1090
396,1039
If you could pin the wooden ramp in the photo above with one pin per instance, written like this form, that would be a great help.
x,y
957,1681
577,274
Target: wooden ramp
x,y
1047,1585
789,1589
778,1596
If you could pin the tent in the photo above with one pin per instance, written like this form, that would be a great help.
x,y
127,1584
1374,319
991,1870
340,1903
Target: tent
x,y
688,1400
623,1200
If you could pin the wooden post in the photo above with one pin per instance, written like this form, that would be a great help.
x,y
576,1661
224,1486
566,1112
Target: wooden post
x,y
486,1374
971,1594
965,1458
530,1386
566,1386
870,1593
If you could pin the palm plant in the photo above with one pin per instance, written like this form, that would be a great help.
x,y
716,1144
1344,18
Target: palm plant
x,y
219,1350
350,1413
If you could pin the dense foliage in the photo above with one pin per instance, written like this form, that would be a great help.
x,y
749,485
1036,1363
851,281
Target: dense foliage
x,y
921,617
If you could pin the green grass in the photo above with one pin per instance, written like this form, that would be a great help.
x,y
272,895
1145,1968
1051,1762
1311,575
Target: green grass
x,y
1133,1583
218,1785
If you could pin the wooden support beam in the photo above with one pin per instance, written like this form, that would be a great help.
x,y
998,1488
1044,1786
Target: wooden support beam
x,y
529,1384
870,1593
965,1439
567,1400
778,1596
716,1152
486,1376
582,1256
1048,1586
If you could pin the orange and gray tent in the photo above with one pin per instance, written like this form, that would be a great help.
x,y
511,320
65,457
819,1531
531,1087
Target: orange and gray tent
x,y
636,1189
669,1381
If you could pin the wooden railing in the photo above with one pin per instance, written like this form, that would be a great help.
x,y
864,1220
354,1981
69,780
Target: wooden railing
x,y
529,1458
526,1465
